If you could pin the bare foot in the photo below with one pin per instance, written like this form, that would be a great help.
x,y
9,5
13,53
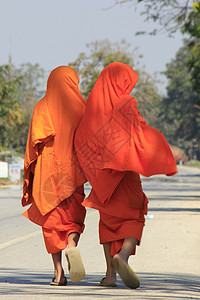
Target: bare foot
x,y
75,264
127,275
110,277
121,257
59,277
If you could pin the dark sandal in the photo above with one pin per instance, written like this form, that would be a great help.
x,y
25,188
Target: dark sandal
x,y
53,282
103,283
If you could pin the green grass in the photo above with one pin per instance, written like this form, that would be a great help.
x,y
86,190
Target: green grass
x,y
193,163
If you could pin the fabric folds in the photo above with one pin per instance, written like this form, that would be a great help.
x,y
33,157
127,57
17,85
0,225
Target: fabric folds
x,y
114,145
114,138
51,169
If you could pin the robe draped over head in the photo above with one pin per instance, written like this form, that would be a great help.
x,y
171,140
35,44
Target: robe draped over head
x,y
51,169
113,138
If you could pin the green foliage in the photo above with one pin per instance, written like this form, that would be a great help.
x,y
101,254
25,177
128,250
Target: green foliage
x,y
180,119
173,15
9,104
19,92
192,26
30,92
170,15
193,164
101,54
8,91
148,98
194,64
31,89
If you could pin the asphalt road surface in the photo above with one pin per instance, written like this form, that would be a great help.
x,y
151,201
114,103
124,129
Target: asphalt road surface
x,y
167,262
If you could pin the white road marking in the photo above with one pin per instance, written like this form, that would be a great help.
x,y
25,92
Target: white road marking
x,y
20,239
30,235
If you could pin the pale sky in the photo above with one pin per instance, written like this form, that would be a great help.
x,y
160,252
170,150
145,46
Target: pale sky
x,y
54,32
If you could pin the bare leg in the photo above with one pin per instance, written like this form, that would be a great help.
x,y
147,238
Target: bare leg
x,y
110,273
58,270
75,264
72,242
73,239
120,264
128,246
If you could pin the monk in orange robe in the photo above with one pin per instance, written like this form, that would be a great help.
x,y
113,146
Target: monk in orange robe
x,y
53,180
114,145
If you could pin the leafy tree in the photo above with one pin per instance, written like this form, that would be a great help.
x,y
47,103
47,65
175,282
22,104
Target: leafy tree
x,y
30,92
9,104
19,92
101,54
31,89
170,15
148,98
192,26
173,15
180,119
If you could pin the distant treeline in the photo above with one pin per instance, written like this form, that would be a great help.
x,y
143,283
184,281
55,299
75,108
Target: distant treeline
x,y
177,114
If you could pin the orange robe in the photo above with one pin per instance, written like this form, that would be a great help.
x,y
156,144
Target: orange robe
x,y
113,145
53,180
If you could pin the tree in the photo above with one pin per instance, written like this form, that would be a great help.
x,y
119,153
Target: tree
x,y
170,15
101,54
192,26
30,91
173,15
31,88
148,98
19,92
180,119
9,104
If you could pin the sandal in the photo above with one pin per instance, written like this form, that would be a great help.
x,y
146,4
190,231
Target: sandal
x,y
127,275
103,283
76,267
53,282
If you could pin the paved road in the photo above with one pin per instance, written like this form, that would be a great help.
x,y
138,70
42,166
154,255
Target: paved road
x,y
167,262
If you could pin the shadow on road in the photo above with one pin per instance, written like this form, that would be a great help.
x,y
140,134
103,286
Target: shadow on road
x,y
174,209
21,282
187,198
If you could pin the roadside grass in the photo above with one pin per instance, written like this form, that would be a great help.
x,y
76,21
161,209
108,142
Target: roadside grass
x,y
193,163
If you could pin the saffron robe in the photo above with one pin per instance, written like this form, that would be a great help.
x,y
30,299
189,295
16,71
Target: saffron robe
x,y
51,170
112,140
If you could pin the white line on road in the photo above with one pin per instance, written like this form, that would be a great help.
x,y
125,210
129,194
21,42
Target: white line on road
x,y
20,239
28,236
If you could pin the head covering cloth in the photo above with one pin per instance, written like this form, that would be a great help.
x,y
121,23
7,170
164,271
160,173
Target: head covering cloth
x,y
51,169
113,138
